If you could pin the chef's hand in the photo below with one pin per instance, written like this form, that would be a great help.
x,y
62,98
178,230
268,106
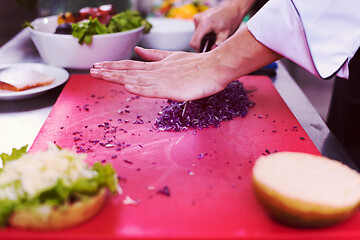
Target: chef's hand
x,y
179,76
183,76
223,20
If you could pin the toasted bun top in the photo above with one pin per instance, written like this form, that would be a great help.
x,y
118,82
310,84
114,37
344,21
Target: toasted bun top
x,y
309,178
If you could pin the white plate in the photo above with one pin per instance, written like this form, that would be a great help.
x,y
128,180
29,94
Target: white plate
x,y
60,75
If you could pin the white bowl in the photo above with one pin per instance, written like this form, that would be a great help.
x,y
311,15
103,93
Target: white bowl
x,y
169,34
64,50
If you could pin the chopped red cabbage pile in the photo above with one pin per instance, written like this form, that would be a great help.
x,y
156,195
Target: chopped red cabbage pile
x,y
232,102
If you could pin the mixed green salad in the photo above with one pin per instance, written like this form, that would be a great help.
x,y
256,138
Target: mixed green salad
x,y
53,177
121,22
85,29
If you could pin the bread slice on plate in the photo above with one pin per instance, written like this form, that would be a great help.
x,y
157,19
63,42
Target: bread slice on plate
x,y
304,190
22,78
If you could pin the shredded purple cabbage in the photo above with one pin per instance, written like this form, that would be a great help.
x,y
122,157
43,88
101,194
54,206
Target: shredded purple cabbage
x,y
232,102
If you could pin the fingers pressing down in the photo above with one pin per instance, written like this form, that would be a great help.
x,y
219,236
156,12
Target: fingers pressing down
x,y
132,77
138,84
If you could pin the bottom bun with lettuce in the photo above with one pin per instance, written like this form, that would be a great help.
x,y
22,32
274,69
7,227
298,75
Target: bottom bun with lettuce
x,y
52,190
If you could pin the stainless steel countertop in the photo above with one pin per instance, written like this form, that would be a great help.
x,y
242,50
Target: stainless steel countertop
x,y
21,120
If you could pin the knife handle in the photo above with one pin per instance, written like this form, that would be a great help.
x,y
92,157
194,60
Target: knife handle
x,y
210,38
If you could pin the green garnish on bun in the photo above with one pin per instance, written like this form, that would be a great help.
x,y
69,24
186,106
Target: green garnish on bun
x,y
53,189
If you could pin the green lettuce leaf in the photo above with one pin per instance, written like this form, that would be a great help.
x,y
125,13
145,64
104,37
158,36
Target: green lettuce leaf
x,y
27,24
7,206
56,195
121,22
106,176
125,21
85,30
128,20
15,154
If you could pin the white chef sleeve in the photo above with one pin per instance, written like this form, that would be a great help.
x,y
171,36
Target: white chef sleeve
x,y
319,35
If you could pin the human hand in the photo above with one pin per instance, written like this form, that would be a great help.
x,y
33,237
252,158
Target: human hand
x,y
178,76
183,76
223,20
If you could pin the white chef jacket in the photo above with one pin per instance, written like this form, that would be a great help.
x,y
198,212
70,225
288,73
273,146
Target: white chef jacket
x,y
319,35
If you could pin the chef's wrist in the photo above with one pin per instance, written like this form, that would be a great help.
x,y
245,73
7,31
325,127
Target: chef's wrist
x,y
242,54
219,65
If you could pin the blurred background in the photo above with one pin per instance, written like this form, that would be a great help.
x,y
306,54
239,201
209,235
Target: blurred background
x,y
12,16
14,13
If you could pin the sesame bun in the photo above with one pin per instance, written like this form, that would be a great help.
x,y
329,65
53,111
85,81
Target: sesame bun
x,y
47,218
304,190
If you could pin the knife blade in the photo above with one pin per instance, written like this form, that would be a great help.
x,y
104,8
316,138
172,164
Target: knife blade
x,y
206,44
207,41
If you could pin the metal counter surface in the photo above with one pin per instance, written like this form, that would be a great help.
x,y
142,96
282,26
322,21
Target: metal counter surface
x,y
21,120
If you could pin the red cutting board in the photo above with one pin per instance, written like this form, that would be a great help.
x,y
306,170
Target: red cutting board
x,y
207,172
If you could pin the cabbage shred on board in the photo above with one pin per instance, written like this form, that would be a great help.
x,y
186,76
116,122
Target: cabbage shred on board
x,y
232,102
